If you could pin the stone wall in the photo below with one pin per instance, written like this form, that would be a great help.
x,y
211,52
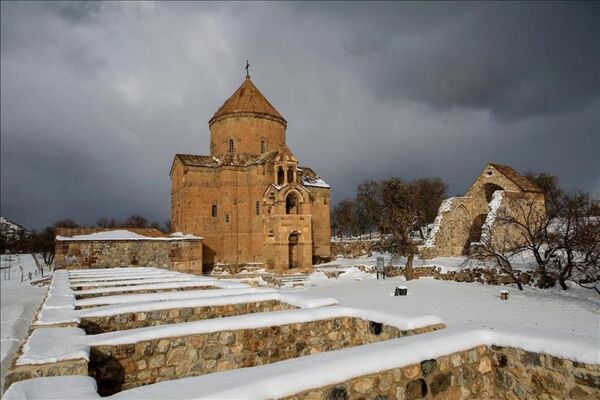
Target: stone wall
x,y
118,322
525,375
460,219
354,248
178,255
479,373
80,296
21,372
122,367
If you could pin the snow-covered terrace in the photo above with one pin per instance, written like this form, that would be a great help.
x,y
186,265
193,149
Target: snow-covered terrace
x,y
561,324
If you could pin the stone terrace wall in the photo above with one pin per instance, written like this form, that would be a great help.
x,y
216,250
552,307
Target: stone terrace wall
x,y
177,255
126,366
480,373
17,373
525,375
82,296
118,322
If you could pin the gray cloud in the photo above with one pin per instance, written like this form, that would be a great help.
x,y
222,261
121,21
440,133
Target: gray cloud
x,y
98,97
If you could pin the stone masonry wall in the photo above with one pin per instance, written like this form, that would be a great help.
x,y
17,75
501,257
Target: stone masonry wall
x,y
177,255
80,296
118,322
480,373
125,366
524,375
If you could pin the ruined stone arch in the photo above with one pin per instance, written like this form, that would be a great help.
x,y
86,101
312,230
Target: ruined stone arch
x,y
489,189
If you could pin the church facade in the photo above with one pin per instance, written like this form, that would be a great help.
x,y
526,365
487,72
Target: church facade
x,y
249,199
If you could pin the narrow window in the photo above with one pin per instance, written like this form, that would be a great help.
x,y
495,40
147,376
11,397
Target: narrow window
x,y
263,146
280,176
231,146
214,210
257,208
290,175
227,218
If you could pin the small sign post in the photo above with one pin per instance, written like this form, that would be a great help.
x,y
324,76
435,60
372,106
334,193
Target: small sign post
x,y
380,267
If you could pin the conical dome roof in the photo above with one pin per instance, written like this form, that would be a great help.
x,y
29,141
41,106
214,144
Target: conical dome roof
x,y
247,99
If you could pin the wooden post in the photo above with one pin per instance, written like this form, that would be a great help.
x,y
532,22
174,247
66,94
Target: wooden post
x,y
504,295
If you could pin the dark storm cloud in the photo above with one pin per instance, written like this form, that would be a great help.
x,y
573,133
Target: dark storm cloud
x,y
97,97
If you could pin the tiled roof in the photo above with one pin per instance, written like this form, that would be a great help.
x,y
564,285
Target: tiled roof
x,y
247,99
523,183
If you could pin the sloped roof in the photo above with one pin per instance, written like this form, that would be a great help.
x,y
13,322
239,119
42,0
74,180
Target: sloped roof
x,y
193,160
247,99
523,183
285,154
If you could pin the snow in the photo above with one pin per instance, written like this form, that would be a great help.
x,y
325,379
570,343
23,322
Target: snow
x,y
160,286
188,294
50,345
293,376
437,223
74,387
54,344
18,303
314,182
57,316
122,234
552,321
166,279
495,203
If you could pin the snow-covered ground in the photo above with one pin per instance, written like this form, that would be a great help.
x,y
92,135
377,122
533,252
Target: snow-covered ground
x,y
18,303
562,323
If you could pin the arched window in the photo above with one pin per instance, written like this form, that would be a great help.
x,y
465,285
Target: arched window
x,y
290,175
291,203
230,146
214,210
263,146
280,176
257,208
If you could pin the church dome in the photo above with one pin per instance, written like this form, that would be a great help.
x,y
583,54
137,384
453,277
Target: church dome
x,y
247,99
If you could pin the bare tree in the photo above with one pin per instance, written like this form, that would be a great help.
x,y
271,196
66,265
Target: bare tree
x,y
430,192
490,250
577,235
66,223
401,214
368,204
105,222
343,217
136,221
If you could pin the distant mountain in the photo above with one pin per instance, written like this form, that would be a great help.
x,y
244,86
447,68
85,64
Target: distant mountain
x,y
11,232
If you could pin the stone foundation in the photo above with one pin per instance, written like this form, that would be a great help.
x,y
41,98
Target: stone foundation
x,y
126,366
118,322
90,295
17,373
480,373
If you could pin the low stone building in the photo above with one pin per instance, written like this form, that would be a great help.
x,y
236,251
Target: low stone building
x,y
82,248
472,217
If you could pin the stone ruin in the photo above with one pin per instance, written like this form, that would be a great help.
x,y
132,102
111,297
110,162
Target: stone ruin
x,y
136,331
468,219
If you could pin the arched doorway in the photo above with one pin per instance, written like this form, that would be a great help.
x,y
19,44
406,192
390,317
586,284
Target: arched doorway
x,y
293,251
291,203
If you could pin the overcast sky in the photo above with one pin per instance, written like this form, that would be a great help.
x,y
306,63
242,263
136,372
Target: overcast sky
x,y
96,98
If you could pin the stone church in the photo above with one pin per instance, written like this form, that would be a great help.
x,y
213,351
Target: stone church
x,y
249,199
